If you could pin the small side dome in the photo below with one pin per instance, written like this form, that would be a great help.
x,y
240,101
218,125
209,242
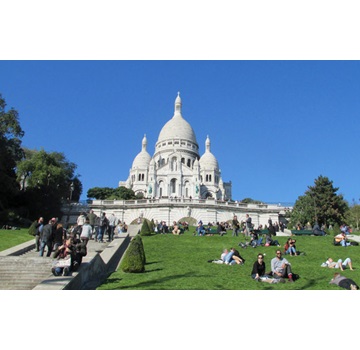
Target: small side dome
x,y
142,160
208,160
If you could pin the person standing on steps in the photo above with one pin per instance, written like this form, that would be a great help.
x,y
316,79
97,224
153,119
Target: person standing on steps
x,y
92,219
39,226
112,223
104,222
46,238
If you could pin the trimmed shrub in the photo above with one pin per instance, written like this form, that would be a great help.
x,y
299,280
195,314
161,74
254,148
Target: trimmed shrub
x,y
133,260
145,228
139,239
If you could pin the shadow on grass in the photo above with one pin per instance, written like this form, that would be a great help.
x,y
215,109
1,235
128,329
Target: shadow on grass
x,y
149,271
112,280
152,262
155,282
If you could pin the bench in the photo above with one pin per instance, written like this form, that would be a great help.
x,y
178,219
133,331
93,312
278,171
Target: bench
x,y
302,232
262,232
211,230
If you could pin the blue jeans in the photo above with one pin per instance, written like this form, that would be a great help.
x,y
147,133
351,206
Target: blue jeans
x,y
228,257
291,250
101,233
49,248
235,232
200,231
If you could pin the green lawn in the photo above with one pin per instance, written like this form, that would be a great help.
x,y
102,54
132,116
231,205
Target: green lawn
x,y
11,238
180,263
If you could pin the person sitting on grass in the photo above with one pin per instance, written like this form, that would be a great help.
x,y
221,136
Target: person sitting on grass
x,y
200,230
258,271
331,264
259,267
233,257
271,242
341,239
220,229
317,231
344,282
222,258
255,241
176,230
280,267
290,247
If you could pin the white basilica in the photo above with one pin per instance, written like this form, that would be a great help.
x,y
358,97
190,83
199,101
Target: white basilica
x,y
176,169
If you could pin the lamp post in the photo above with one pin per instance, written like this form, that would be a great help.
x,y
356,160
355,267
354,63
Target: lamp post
x,y
71,190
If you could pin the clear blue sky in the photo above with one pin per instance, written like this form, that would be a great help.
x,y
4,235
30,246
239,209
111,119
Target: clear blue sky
x,y
275,126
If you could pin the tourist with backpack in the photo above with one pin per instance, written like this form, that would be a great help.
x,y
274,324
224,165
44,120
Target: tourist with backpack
x,y
104,223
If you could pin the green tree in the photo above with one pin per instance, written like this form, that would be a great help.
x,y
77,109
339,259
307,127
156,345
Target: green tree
x,y
250,200
45,182
123,193
100,192
111,193
320,203
353,215
10,153
303,211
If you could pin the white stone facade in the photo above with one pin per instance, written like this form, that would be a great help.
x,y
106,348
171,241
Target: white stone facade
x,y
176,169
169,210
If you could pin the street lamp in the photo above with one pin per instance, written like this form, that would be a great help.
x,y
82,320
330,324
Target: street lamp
x,y
71,190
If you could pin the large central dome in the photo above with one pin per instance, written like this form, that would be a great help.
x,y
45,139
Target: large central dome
x,y
177,128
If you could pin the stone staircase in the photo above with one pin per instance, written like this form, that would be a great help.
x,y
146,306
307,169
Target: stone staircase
x,y
24,269
23,272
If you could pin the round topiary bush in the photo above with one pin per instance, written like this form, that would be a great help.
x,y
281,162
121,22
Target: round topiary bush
x,y
145,228
133,260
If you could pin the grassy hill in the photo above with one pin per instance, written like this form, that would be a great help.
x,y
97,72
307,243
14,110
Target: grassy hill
x,y
181,263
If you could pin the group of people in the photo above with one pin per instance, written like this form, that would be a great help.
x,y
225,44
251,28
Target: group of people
x,y
68,256
52,237
245,226
280,269
176,228
107,225
68,247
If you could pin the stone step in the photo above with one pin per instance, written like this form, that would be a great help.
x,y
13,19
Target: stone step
x,y
19,273
28,270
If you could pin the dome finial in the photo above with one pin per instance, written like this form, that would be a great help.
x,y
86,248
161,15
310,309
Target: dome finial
x,y
178,104
207,144
144,143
